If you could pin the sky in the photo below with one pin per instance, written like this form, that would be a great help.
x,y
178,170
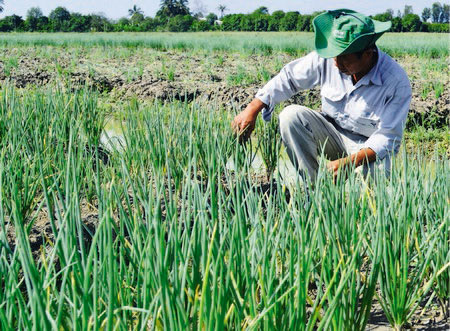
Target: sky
x,y
119,8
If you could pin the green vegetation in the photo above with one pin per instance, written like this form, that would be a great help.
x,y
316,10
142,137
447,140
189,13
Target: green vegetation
x,y
266,43
166,223
160,233
175,16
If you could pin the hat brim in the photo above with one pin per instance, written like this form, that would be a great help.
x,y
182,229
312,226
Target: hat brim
x,y
323,24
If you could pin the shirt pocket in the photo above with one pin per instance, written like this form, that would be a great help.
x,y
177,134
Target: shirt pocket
x,y
364,125
332,99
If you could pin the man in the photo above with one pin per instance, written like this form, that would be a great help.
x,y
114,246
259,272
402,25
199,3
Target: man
x,y
365,98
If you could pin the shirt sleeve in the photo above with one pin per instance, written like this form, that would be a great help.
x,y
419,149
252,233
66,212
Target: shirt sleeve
x,y
387,138
300,74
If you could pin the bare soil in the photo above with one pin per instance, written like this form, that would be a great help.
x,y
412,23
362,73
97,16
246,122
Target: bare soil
x,y
227,79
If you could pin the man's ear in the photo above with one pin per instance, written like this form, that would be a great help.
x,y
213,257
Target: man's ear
x,y
368,53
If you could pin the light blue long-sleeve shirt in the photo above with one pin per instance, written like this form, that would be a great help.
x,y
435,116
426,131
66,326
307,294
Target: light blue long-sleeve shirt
x,y
375,107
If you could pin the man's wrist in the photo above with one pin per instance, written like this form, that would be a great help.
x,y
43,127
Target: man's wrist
x,y
365,155
255,107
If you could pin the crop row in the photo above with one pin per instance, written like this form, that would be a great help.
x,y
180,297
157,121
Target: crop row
x,y
181,241
396,44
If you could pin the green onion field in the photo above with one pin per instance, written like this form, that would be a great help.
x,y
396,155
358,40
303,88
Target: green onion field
x,y
127,203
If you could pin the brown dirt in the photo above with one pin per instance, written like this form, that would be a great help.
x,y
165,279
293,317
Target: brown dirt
x,y
229,80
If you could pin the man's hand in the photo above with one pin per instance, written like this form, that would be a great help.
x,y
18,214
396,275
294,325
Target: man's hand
x,y
244,123
335,165
364,155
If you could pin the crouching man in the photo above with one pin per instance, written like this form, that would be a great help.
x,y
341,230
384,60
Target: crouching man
x,y
365,98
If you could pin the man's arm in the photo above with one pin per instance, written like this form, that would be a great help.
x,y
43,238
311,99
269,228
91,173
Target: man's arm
x,y
297,75
244,122
363,156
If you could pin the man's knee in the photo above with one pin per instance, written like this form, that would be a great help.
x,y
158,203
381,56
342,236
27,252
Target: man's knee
x,y
293,116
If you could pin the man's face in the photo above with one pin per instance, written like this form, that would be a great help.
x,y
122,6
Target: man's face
x,y
350,64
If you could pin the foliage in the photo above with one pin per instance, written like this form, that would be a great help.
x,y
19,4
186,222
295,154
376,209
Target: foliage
x,y
426,45
180,23
260,19
201,26
135,10
232,22
439,13
426,14
11,23
289,21
59,19
384,17
172,8
274,20
408,10
411,23
397,24
437,27
222,9
211,18
164,235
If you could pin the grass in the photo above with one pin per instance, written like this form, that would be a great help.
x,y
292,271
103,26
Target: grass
x,y
181,241
426,45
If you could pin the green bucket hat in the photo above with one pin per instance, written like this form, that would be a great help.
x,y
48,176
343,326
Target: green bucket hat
x,y
345,31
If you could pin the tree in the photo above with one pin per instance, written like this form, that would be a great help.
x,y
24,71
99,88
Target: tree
x,y
255,22
304,23
137,18
426,14
384,17
79,23
1,6
201,26
262,11
34,16
180,23
396,24
232,22
34,12
289,21
59,19
274,20
135,10
11,23
222,9
411,23
408,10
172,8
436,10
60,14
123,24
445,13
211,18
99,22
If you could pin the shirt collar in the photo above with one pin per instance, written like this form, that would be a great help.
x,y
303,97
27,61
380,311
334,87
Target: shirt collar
x,y
374,74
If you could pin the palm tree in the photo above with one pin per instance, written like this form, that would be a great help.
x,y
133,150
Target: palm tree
x,y
1,5
222,9
132,11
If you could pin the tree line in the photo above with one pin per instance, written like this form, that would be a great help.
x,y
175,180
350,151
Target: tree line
x,y
175,16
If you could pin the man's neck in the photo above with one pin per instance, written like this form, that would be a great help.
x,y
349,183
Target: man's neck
x,y
372,63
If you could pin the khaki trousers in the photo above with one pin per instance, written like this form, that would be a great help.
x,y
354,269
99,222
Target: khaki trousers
x,y
306,133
